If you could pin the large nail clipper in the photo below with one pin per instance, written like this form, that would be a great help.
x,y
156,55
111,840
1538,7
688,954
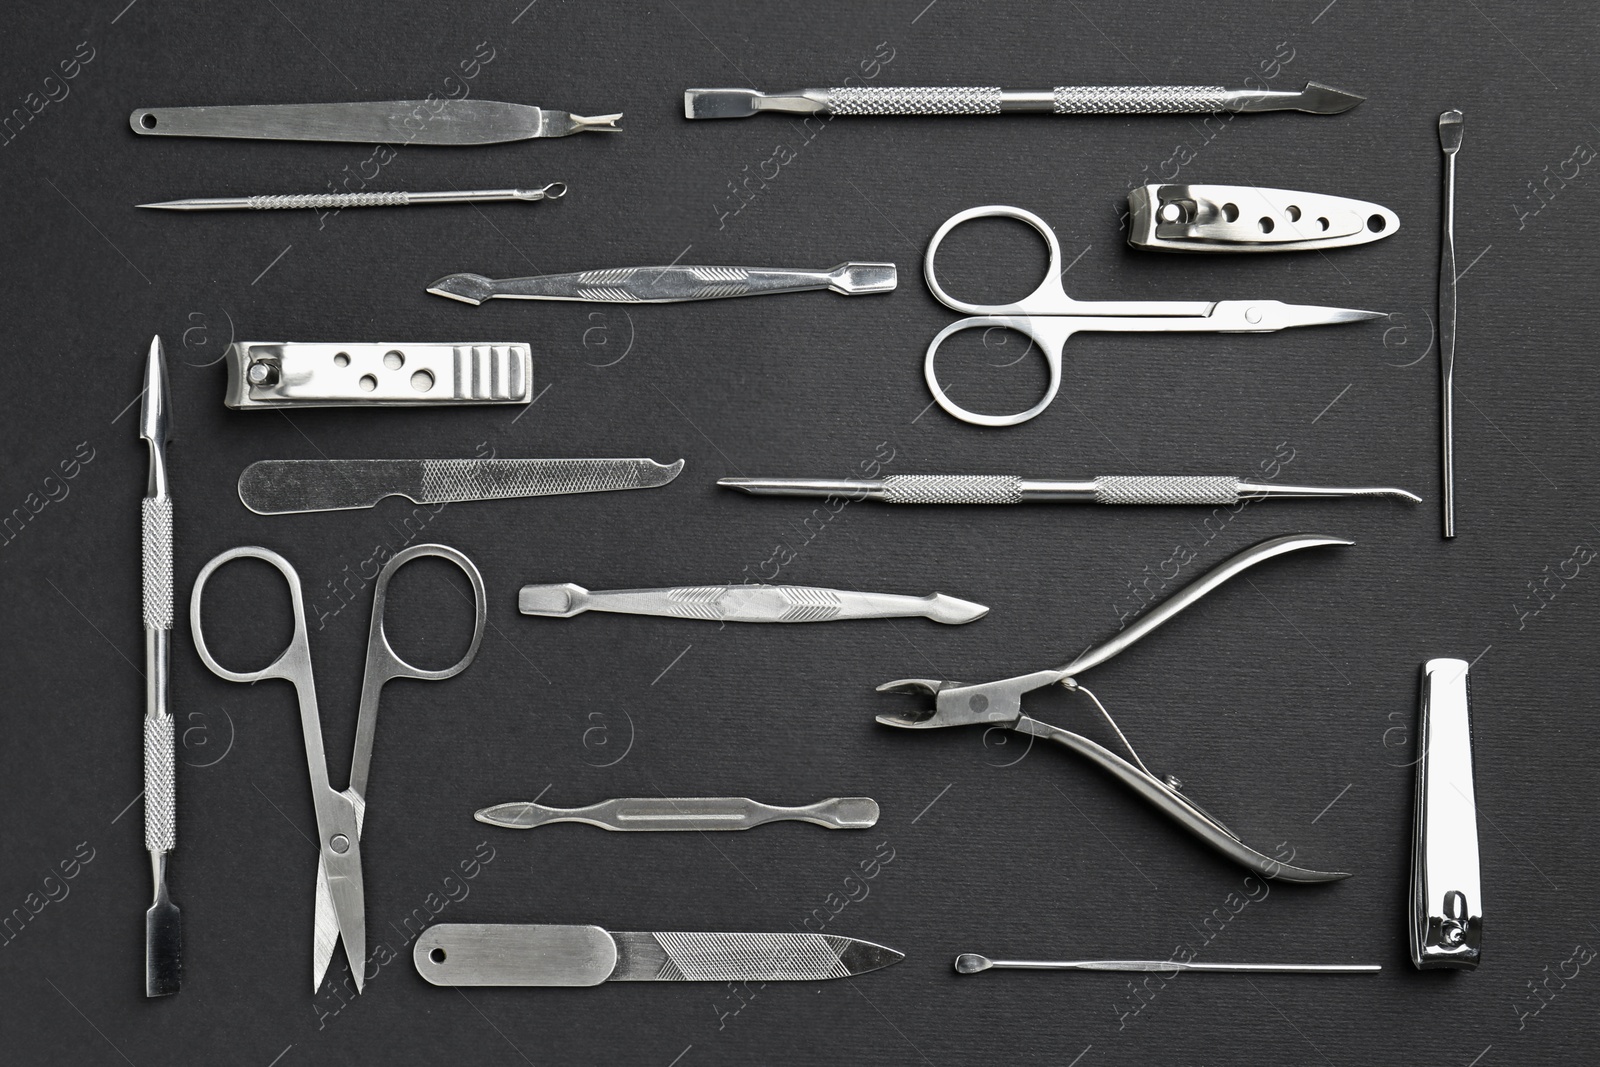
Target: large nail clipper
x,y
286,374
1245,218
1000,704
1446,898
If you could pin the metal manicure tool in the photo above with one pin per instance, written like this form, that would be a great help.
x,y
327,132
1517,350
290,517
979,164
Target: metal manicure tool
x,y
1446,895
1315,98
685,813
746,603
286,374
999,704
339,201
486,954
296,486
340,909
1009,489
667,285
396,122
1049,317
1450,143
163,929
972,963
1244,218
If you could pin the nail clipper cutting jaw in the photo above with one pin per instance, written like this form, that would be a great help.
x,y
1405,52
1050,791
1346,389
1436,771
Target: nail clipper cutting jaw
x,y
999,703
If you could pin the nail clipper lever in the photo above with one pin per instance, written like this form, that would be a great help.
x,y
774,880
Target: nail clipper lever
x,y
1446,895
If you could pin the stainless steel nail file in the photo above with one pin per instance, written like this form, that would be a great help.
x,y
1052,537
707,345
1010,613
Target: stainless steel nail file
x,y
1009,489
295,486
1446,894
295,374
487,954
1316,98
746,603
685,813
1247,218
163,928
399,122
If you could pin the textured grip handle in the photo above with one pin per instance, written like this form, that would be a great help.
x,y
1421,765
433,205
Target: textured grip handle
x,y
952,489
882,100
1165,489
719,957
330,200
157,545
1139,99
160,816
447,481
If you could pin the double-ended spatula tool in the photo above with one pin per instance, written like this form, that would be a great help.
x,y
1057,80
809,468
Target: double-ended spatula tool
x,y
487,954
746,603
1009,489
397,122
685,813
1315,98
667,285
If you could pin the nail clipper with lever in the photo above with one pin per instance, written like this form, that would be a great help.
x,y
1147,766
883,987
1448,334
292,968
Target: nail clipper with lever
x,y
999,703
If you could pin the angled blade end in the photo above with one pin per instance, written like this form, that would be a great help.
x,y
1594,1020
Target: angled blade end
x,y
1319,99
155,422
163,949
859,957
659,474
953,611
1450,132
468,288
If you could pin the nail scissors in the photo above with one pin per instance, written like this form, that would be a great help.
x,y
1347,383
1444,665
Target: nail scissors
x,y
1048,316
999,704
340,909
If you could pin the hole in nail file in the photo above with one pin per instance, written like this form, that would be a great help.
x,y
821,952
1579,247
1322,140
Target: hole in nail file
x,y
147,121
437,955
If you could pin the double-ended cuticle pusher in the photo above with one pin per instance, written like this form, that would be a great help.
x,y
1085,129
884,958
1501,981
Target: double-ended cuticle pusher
x,y
684,813
1009,489
746,603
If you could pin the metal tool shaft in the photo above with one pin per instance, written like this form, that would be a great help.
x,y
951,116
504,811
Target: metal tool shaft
x,y
397,122
685,813
667,285
163,930
972,963
1449,142
339,201
1009,489
746,603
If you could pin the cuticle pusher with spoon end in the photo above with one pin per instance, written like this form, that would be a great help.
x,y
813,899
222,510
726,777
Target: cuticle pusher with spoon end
x,y
489,954
685,813
296,486
746,603
667,285
396,122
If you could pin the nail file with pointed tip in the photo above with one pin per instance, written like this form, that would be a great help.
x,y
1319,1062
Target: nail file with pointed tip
x,y
685,813
397,122
296,486
746,603
488,954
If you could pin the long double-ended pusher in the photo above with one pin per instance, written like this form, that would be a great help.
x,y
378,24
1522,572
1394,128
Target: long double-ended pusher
x,y
1000,704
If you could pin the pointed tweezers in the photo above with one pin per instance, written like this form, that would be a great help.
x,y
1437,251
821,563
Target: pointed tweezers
x,y
1000,704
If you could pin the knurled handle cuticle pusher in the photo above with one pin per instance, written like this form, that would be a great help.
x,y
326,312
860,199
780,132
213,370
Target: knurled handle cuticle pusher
x,y
163,930
746,603
685,813
667,285
339,201
1315,98
1450,130
972,963
1446,927
1007,489
396,122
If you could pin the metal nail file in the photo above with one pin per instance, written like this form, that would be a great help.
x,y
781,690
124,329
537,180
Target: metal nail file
x,y
685,813
1449,144
486,954
1247,218
163,928
746,603
295,486
1315,98
1446,895
396,122
1009,489
972,963
298,374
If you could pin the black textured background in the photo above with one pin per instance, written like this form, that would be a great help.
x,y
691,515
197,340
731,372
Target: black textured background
x,y
1286,702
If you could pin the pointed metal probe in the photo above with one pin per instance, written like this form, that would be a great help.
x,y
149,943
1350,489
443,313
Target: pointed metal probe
x,y
972,963
338,201
163,930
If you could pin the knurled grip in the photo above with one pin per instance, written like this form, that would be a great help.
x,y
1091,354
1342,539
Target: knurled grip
x,y
157,544
952,489
1139,99
160,816
1165,489
883,100
330,200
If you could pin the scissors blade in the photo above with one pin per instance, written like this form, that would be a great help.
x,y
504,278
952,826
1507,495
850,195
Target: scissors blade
x,y
325,924
1265,316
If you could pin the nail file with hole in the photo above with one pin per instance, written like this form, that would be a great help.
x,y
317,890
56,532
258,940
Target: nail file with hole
x,y
1245,218
489,954
279,374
